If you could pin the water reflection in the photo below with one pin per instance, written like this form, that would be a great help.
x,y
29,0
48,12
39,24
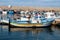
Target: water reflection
x,y
51,33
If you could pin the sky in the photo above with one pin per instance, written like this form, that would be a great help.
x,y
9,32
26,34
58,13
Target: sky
x,y
35,3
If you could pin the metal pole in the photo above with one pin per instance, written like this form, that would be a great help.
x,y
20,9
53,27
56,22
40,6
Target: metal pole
x,y
9,25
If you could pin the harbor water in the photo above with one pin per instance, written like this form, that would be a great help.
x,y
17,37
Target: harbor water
x,y
52,33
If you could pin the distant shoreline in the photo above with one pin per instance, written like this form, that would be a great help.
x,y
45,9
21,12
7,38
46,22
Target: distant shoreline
x,y
31,8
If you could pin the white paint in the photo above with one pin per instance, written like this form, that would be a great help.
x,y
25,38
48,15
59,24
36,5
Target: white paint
x,y
24,19
49,15
5,21
22,12
4,12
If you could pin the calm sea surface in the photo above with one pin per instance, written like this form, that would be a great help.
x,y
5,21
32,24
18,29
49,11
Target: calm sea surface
x,y
52,33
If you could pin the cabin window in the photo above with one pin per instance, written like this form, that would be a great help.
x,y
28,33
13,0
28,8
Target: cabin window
x,y
45,15
52,15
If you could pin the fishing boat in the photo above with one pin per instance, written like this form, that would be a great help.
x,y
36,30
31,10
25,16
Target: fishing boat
x,y
34,21
57,19
5,16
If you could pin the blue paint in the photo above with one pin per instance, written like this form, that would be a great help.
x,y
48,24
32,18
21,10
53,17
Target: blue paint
x,y
11,12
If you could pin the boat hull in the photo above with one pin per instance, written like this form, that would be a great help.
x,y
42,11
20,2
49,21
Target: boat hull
x,y
3,23
26,25
29,25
